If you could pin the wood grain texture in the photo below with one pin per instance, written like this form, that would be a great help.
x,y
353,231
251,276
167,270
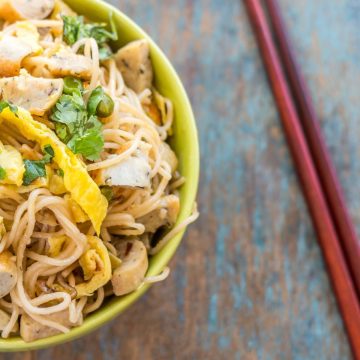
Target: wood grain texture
x,y
248,282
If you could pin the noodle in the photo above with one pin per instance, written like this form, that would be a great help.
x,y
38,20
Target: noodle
x,y
161,277
174,231
10,325
97,303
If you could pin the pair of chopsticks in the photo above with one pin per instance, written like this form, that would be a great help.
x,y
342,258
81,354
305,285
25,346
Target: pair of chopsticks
x,y
335,230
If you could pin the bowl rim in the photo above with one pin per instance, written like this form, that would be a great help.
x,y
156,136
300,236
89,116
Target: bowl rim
x,y
118,305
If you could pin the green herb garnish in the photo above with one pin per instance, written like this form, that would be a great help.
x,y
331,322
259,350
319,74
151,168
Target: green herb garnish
x,y
72,84
100,103
75,29
4,104
76,128
36,168
49,153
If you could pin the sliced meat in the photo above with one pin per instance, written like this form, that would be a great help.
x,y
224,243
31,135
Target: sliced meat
x,y
132,172
31,330
165,215
134,264
169,156
8,273
66,63
28,33
13,10
133,60
12,51
4,320
34,94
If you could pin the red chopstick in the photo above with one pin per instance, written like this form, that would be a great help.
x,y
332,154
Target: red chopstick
x,y
320,154
327,236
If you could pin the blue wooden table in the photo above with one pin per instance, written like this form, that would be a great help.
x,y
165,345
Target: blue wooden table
x,y
248,282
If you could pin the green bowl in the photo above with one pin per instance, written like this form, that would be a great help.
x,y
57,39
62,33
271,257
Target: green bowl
x,y
185,144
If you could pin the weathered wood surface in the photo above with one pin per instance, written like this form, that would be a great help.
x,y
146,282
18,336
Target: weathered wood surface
x,y
248,282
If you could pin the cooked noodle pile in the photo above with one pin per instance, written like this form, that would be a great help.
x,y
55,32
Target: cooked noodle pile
x,y
88,185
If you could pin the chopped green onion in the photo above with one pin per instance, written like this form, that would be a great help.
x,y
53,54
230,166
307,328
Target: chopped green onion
x,y
72,84
100,103
105,107
36,168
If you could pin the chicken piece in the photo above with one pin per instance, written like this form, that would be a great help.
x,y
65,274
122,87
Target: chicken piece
x,y
132,172
15,46
12,52
8,273
77,212
31,330
169,156
66,63
34,94
133,60
28,34
165,215
13,10
4,320
134,264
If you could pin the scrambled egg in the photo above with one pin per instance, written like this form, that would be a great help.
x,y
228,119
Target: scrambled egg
x,y
56,243
56,182
96,266
11,161
77,212
77,181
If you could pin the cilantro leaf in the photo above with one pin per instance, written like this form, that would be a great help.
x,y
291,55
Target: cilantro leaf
x,y
36,168
69,108
76,128
4,104
71,28
75,29
33,170
62,132
49,153
89,144
2,173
